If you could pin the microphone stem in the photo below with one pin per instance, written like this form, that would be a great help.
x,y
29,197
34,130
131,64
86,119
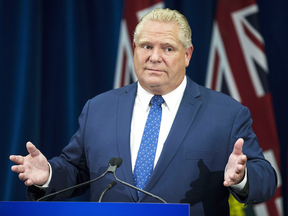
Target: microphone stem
x,y
70,188
145,192
100,199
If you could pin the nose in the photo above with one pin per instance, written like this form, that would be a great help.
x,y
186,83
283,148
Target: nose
x,y
155,55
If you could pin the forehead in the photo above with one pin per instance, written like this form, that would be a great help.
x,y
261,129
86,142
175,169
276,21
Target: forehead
x,y
156,30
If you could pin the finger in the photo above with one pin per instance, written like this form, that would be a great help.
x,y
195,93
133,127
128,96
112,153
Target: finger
x,y
228,183
28,182
242,160
18,168
240,168
16,159
22,177
32,149
232,177
238,146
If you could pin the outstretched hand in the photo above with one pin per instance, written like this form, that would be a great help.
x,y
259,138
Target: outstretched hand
x,y
33,168
235,169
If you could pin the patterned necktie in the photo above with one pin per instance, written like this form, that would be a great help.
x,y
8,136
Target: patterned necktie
x,y
146,154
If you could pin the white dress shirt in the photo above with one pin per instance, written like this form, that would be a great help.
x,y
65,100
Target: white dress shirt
x,y
140,114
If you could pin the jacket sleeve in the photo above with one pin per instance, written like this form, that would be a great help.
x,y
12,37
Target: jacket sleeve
x,y
262,178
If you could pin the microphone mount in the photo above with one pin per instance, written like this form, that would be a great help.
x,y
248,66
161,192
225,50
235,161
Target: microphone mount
x,y
118,163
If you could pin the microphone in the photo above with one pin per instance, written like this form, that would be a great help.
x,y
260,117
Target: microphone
x,y
111,168
117,164
108,187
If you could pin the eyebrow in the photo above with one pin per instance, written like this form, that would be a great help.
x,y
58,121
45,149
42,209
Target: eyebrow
x,y
164,43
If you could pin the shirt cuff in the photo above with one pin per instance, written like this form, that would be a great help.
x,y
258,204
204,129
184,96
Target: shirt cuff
x,y
46,185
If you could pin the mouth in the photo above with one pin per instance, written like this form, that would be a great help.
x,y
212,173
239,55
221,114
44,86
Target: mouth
x,y
154,70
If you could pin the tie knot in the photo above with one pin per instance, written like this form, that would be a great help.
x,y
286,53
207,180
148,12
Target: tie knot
x,y
157,100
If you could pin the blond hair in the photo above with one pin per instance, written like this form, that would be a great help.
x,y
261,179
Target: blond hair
x,y
167,15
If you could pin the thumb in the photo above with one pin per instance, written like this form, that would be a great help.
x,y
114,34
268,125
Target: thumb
x,y
238,146
33,151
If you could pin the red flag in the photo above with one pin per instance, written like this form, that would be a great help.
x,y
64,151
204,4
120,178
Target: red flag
x,y
134,10
238,67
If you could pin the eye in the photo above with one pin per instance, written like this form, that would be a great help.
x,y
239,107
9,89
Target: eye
x,y
169,49
147,47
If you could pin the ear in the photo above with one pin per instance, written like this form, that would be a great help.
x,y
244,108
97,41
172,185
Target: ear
x,y
134,46
188,55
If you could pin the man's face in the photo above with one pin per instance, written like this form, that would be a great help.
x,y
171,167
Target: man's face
x,y
160,60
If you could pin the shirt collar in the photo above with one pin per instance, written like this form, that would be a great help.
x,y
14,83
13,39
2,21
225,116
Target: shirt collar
x,y
171,99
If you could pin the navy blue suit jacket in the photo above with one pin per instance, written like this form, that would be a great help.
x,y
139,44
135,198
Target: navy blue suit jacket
x,y
191,166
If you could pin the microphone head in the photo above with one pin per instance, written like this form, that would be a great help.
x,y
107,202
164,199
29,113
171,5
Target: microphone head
x,y
112,161
118,162
113,183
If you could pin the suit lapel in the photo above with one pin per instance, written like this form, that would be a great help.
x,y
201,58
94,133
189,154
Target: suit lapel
x,y
187,111
125,111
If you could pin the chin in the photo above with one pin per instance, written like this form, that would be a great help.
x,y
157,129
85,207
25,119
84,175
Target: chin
x,y
155,83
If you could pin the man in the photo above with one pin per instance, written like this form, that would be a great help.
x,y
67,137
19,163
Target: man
x,y
206,147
